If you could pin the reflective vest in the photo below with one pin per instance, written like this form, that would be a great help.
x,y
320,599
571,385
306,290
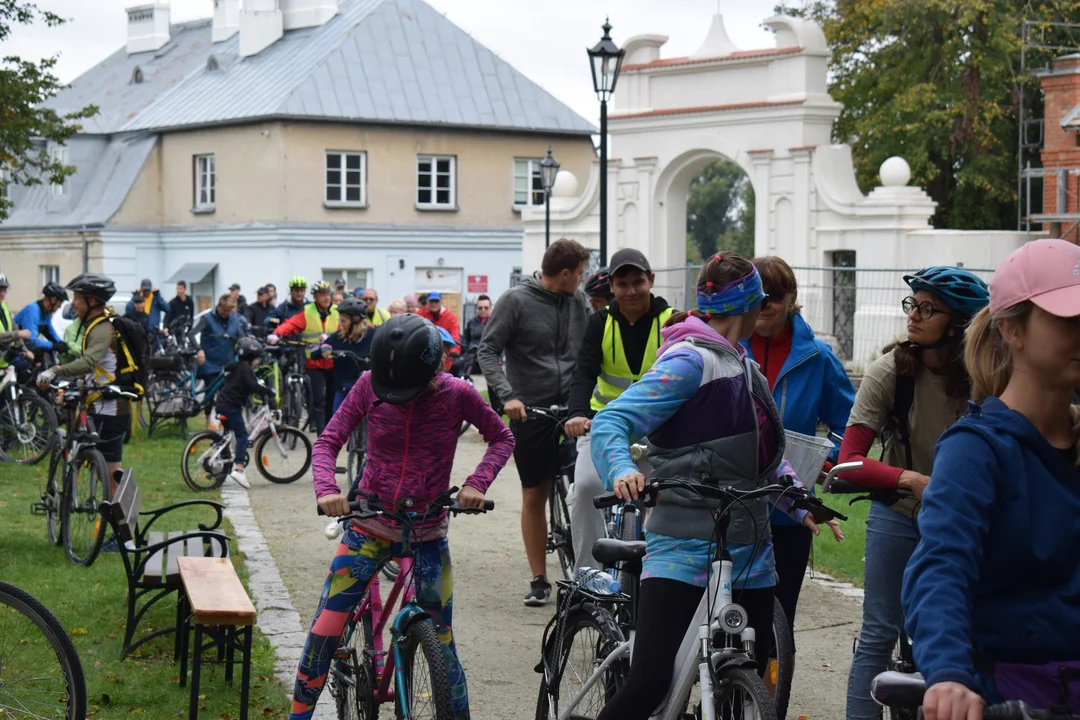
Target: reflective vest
x,y
379,317
9,326
314,326
615,374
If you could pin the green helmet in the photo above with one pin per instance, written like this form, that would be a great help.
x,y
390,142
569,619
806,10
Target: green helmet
x,y
297,281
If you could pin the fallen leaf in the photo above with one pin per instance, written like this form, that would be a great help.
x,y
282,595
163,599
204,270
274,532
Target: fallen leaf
x,y
78,631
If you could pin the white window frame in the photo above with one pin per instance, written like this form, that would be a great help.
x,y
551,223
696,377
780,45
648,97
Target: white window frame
x,y
343,186
528,171
434,173
58,153
205,178
49,274
347,273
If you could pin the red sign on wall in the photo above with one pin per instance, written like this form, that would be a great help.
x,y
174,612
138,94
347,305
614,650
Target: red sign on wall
x,y
478,283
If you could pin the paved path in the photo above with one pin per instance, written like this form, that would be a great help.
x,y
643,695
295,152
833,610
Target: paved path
x,y
499,638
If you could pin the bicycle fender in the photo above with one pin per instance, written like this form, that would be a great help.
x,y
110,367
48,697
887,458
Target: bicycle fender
x,y
727,659
406,616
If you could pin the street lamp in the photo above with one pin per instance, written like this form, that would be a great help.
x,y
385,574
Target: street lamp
x,y
549,170
606,62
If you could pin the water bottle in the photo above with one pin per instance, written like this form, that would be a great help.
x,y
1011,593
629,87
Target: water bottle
x,y
597,581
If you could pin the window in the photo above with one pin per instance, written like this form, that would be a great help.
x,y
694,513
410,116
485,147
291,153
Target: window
x,y
435,182
205,187
528,183
353,278
345,176
50,274
58,154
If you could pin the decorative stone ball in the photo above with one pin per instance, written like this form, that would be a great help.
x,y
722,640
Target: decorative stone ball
x,y
895,172
566,185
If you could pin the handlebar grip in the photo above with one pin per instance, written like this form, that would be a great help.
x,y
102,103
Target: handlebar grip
x,y
606,500
489,505
846,487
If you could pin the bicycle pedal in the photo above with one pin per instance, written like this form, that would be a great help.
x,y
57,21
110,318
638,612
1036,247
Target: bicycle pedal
x,y
343,654
38,508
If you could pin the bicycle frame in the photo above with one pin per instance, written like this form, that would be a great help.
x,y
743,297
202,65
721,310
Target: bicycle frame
x,y
263,419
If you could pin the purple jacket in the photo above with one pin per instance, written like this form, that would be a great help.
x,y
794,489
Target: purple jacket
x,y
411,447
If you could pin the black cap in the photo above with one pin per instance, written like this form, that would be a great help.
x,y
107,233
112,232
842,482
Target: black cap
x,y
263,291
628,257
146,284
234,286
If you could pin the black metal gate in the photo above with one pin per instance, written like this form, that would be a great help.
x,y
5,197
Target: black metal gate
x,y
843,301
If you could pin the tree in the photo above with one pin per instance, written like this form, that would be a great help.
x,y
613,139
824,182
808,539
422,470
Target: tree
x,y
936,82
24,122
716,209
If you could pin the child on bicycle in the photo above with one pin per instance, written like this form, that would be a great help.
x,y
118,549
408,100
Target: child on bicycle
x,y
354,337
240,385
404,397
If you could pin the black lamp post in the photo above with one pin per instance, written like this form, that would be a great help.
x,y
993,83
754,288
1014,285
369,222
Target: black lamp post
x,y
606,61
549,170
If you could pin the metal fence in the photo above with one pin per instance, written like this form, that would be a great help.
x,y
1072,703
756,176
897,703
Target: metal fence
x,y
855,309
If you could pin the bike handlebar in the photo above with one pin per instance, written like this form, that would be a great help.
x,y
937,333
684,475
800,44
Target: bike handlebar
x,y
372,506
559,413
1019,710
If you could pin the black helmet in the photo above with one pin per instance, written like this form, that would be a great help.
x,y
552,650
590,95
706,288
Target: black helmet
x,y
93,285
352,306
249,348
53,290
405,354
599,284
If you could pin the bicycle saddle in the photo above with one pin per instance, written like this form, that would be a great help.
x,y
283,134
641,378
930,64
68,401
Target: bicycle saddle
x,y
897,689
608,551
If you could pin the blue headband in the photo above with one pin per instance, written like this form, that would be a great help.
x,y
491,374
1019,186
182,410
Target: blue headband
x,y
738,298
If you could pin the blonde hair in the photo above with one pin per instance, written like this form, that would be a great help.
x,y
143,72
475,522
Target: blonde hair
x,y
226,300
356,329
397,307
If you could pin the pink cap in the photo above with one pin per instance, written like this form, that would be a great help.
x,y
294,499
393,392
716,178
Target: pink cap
x,y
1046,272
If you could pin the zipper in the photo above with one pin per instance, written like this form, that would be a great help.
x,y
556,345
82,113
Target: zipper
x,y
405,453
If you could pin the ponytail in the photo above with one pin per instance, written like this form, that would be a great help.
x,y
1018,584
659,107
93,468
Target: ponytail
x,y
679,317
986,354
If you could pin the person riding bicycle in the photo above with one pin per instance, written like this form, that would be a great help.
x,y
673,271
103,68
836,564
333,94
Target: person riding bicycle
x,y
909,397
293,306
218,332
318,322
620,345
710,418
403,396
991,590
37,317
598,288
354,335
9,330
240,385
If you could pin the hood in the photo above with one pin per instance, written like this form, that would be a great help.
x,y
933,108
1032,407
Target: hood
x,y
539,292
993,420
697,329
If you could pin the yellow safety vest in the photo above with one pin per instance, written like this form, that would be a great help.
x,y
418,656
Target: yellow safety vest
x,y
10,327
379,317
615,374
314,327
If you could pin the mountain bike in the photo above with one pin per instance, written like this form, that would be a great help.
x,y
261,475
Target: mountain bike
x,y
27,421
282,453
362,669
560,538
40,672
296,398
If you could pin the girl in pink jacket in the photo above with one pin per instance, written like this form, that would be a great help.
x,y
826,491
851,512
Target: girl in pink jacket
x,y
413,419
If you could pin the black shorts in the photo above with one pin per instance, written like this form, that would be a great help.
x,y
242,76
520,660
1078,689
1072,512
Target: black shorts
x,y
111,429
536,451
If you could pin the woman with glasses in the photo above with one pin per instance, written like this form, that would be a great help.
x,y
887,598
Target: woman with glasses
x,y
908,397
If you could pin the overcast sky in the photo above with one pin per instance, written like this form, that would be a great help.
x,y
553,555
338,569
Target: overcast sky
x,y
545,40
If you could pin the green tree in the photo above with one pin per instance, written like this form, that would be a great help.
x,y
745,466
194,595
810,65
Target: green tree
x,y
24,122
716,209
936,82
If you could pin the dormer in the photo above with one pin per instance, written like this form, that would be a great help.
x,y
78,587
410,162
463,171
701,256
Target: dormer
x,y
148,27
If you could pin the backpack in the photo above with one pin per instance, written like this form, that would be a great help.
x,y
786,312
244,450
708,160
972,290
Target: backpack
x,y
132,351
896,424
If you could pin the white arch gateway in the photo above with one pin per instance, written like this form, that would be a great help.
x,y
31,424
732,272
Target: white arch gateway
x,y
769,111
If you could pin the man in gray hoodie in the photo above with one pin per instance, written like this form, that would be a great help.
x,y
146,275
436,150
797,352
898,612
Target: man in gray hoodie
x,y
538,325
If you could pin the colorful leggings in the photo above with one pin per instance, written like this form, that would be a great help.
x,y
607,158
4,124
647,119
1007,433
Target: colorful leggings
x,y
358,558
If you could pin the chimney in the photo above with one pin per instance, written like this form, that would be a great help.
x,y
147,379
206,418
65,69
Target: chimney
x,y
148,27
308,13
1061,145
260,26
226,19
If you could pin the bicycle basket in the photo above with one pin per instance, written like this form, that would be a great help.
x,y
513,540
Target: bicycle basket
x,y
807,455
167,363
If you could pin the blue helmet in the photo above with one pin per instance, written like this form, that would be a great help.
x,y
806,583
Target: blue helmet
x,y
962,291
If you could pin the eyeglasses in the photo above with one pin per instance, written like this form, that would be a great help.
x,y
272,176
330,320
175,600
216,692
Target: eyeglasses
x,y
926,308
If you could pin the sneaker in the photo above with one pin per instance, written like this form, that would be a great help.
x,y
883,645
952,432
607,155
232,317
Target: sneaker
x,y
240,478
539,592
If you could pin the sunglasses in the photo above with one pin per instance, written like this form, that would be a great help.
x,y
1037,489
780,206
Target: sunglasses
x,y
926,308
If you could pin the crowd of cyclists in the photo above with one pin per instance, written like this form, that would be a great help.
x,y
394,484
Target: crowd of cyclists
x,y
972,532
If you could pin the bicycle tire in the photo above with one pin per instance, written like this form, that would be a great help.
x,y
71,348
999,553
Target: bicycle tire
x,y
352,679
28,440
266,458
628,532
784,647
750,684
560,538
607,636
357,451
72,692
206,474
420,637
80,517
51,497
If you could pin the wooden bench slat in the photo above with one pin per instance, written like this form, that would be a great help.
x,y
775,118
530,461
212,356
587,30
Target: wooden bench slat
x,y
215,593
153,571
175,552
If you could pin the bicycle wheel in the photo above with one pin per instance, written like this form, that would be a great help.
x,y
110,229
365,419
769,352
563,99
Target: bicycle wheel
x,y
357,450
51,498
87,486
781,672
559,537
352,674
27,428
276,461
740,694
40,672
205,463
427,686
589,635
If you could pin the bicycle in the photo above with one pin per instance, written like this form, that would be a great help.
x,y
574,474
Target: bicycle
x,y
40,672
208,457
27,421
357,444
296,395
717,650
360,674
906,690
560,538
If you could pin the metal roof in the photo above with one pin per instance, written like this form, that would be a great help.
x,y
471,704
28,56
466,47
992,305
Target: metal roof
x,y
381,61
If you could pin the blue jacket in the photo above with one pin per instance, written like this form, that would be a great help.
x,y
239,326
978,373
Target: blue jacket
x,y
285,311
34,318
812,386
997,570
157,307
220,351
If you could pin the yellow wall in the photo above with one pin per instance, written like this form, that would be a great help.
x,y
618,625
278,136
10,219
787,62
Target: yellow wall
x,y
21,258
143,204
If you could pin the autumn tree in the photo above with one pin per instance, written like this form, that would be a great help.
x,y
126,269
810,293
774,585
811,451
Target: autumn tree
x,y
719,211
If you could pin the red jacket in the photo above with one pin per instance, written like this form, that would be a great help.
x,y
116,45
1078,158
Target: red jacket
x,y
298,324
447,320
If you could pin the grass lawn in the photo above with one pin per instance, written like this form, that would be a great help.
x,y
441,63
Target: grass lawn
x,y
91,602
843,560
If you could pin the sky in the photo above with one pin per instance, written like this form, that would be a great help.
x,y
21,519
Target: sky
x,y
545,40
